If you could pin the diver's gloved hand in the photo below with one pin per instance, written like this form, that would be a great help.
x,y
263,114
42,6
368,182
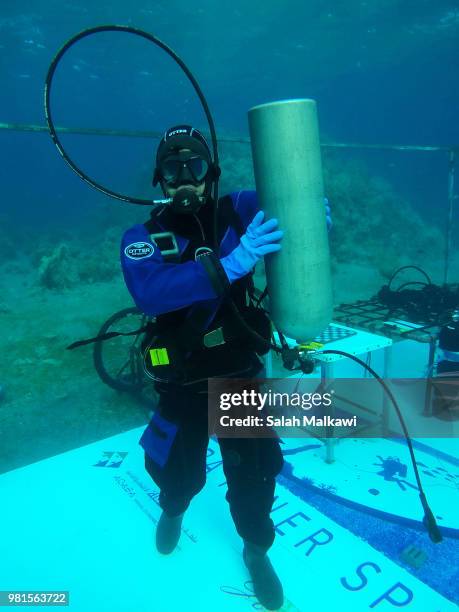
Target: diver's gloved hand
x,y
258,240
328,214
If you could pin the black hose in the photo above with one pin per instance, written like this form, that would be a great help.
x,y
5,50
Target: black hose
x,y
407,268
48,113
412,283
429,519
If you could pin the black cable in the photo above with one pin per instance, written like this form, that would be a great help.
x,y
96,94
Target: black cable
x,y
429,519
406,268
412,283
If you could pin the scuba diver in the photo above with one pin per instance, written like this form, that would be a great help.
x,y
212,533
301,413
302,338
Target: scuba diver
x,y
174,275
194,295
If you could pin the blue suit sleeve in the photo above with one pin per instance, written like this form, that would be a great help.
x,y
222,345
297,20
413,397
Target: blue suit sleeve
x,y
158,287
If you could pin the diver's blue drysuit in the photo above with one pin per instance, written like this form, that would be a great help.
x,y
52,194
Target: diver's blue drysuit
x,y
176,440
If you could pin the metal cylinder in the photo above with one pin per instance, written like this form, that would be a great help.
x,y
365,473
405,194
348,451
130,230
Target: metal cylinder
x,y
288,175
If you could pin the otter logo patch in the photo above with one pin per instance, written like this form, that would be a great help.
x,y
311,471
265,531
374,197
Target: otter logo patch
x,y
139,250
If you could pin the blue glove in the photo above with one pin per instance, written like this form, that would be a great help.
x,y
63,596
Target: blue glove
x,y
328,214
258,240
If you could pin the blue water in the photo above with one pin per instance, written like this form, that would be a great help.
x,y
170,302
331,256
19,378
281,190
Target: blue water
x,y
381,72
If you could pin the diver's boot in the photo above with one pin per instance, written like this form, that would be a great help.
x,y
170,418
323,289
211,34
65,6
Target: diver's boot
x,y
168,532
266,584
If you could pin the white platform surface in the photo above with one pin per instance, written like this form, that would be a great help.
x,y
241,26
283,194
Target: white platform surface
x,y
69,525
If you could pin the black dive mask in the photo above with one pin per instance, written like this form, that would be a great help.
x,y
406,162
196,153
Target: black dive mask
x,y
183,159
183,168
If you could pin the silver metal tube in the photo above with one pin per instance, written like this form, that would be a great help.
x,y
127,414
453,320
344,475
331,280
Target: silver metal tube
x,y
288,176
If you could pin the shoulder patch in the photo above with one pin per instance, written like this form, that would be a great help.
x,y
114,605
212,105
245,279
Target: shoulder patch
x,y
139,250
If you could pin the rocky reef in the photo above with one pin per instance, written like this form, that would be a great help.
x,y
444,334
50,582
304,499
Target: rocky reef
x,y
373,228
67,266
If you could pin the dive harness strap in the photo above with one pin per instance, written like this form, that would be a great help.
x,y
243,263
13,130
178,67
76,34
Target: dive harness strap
x,y
191,332
192,335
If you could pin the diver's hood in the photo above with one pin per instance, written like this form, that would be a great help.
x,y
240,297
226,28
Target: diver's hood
x,y
186,137
182,141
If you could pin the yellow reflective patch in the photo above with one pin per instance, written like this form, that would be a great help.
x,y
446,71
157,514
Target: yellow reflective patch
x,y
311,346
159,356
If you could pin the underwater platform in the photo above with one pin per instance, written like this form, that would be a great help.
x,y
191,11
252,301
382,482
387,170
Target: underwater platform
x,y
349,533
84,522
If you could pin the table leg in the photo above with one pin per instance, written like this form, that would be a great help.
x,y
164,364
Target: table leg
x,y
428,393
326,372
268,359
387,364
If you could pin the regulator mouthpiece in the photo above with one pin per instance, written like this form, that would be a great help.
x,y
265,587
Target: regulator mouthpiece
x,y
186,202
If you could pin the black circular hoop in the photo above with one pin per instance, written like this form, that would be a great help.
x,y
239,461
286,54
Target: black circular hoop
x,y
53,132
